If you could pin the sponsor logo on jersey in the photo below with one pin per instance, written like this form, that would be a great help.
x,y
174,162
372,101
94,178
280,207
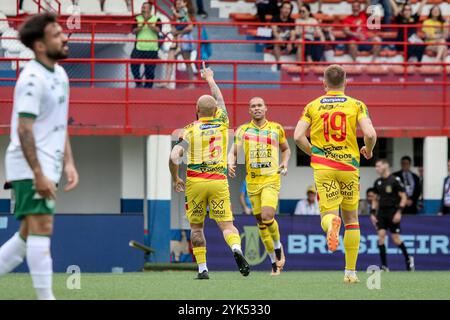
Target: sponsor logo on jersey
x,y
330,152
260,165
333,100
209,126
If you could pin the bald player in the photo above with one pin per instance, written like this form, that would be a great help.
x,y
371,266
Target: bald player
x,y
333,119
262,142
205,142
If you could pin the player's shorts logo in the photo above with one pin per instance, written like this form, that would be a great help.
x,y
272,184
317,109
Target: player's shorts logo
x,y
329,186
348,186
332,192
217,205
347,189
197,210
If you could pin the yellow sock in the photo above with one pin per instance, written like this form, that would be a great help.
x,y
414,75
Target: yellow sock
x,y
326,220
266,238
200,254
273,229
352,237
233,239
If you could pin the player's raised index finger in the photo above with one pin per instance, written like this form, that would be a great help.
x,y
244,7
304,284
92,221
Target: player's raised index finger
x,y
203,65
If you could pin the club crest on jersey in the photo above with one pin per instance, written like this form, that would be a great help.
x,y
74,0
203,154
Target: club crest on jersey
x,y
388,189
333,100
209,126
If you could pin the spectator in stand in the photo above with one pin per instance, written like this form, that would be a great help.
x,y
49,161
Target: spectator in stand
x,y
181,14
411,182
386,8
245,200
356,31
445,202
308,27
201,9
436,30
328,48
403,15
283,32
308,206
266,7
365,206
147,35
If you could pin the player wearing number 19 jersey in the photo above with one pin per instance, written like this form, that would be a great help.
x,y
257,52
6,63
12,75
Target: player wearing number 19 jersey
x,y
205,142
333,119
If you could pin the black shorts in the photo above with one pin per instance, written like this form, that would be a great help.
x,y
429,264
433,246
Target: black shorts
x,y
385,222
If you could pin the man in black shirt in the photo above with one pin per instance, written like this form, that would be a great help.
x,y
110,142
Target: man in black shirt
x,y
411,183
387,210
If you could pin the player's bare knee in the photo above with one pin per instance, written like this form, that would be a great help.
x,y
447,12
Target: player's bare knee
x,y
197,238
267,213
396,239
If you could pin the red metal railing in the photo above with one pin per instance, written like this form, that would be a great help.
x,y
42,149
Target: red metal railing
x,y
129,99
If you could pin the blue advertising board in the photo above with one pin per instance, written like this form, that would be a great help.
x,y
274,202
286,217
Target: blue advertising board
x,y
426,237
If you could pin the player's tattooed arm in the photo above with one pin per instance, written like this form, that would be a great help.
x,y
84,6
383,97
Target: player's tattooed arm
x,y
208,75
43,185
28,144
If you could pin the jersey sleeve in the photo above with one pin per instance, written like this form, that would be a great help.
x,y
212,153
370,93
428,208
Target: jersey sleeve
x,y
281,134
362,110
222,115
306,115
185,137
28,96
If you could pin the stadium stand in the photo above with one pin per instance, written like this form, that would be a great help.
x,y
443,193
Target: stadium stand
x,y
114,7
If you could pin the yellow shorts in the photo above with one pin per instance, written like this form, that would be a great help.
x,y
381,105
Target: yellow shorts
x,y
213,194
337,188
263,196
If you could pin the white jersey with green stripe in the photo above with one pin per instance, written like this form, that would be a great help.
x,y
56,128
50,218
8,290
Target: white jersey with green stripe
x,y
43,94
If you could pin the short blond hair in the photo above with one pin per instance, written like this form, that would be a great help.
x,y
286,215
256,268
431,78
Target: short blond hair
x,y
335,76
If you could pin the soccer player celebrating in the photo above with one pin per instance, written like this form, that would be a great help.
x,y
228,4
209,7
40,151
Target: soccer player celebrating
x,y
205,142
387,210
39,150
262,140
333,119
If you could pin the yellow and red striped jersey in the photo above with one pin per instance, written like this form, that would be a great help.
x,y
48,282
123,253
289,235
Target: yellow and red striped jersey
x,y
261,148
334,119
206,142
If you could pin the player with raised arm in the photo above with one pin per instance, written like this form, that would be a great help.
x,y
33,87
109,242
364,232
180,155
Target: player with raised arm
x,y
333,119
39,150
205,142
262,141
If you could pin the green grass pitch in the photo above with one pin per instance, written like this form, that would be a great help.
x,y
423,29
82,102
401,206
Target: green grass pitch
x,y
173,285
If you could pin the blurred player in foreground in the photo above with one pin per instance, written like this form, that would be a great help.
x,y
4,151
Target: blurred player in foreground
x,y
262,140
333,119
386,213
205,142
39,150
